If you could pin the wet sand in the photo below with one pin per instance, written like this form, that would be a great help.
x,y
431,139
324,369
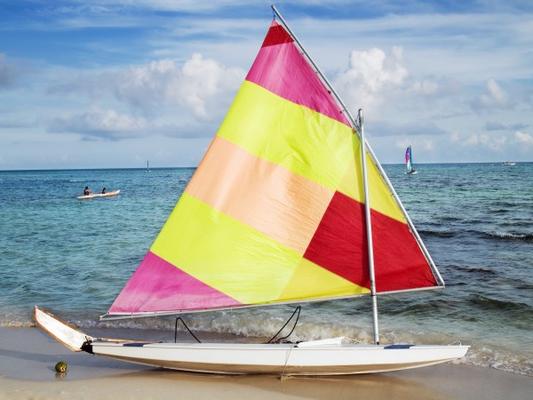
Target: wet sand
x,y
27,359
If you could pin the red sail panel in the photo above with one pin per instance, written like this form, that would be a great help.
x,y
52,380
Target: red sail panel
x,y
276,35
340,245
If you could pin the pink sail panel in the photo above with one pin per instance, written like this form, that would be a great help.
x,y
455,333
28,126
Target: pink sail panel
x,y
270,70
159,286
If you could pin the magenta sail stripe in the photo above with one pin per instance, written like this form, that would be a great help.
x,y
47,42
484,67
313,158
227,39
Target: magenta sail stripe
x,y
282,70
158,285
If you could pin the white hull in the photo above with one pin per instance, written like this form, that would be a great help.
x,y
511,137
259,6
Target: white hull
x,y
97,195
326,357
289,359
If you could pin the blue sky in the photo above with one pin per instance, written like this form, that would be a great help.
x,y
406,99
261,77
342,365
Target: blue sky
x,y
112,83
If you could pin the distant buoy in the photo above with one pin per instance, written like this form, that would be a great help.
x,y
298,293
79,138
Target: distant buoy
x,y
61,367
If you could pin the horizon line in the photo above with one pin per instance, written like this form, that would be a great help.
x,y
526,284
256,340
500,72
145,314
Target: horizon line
x,y
194,167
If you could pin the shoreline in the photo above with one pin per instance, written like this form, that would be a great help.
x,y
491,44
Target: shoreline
x,y
28,356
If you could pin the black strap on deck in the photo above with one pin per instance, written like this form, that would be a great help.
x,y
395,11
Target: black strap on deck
x,y
186,327
295,312
273,339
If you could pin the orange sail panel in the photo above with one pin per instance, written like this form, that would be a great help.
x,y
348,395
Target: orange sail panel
x,y
275,211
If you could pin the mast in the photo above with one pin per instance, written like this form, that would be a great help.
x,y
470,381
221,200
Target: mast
x,y
358,127
368,224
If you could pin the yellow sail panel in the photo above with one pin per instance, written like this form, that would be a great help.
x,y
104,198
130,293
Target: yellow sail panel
x,y
302,140
224,253
312,281
381,197
266,196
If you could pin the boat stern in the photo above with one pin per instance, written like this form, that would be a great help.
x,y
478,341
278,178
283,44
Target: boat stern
x,y
61,331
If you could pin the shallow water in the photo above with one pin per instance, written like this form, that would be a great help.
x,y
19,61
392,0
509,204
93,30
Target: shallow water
x,y
476,220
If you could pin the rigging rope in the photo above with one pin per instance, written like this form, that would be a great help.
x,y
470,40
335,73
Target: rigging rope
x,y
295,312
186,327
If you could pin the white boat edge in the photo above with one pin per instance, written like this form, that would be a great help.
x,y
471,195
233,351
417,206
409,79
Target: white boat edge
x,y
63,332
98,195
321,357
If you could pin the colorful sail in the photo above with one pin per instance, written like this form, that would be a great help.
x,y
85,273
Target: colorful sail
x,y
409,160
275,211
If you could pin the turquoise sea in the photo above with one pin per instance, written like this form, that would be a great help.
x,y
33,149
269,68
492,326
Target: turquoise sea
x,y
476,219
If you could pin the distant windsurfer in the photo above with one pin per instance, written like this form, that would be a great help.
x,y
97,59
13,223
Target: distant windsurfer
x,y
87,191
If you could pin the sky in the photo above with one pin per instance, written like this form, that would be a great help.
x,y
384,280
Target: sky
x,y
113,83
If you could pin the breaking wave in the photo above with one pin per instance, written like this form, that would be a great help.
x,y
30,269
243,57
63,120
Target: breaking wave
x,y
508,236
489,303
436,233
525,237
474,270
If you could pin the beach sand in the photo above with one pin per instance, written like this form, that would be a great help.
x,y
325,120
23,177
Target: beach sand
x,y
27,359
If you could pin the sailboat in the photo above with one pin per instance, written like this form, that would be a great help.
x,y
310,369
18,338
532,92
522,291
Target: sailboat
x,y
409,167
289,205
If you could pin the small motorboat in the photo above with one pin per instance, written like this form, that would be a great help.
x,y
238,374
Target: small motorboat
x,y
97,195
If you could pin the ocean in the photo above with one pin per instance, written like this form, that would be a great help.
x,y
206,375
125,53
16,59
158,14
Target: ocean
x,y
74,257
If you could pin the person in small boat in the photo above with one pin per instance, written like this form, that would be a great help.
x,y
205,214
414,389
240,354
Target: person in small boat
x,y
103,190
86,191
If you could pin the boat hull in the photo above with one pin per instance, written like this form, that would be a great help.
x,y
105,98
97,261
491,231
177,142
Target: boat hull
x,y
98,195
284,359
323,357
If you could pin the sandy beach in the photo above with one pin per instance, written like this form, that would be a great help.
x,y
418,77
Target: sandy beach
x,y
357,201
27,358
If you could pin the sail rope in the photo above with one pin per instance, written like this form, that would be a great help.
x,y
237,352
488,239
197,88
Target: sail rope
x,y
295,312
186,327
287,361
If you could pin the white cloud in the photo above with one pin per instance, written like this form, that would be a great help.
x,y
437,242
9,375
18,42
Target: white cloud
x,y
455,137
421,144
370,74
502,126
109,124
524,138
428,145
494,97
201,79
196,85
419,127
98,123
495,93
193,92
425,87
492,142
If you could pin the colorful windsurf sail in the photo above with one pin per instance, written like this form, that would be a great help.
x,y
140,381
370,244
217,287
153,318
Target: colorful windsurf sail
x,y
409,160
275,211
